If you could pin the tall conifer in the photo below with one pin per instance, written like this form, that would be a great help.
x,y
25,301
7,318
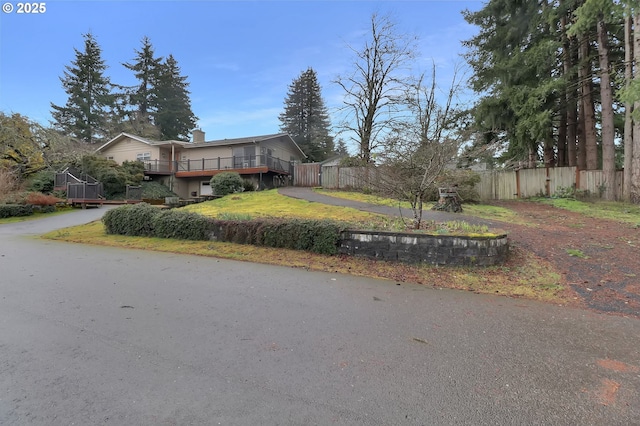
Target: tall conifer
x,y
305,117
173,115
85,114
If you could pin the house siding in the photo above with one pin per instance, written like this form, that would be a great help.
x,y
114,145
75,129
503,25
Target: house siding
x,y
128,149
281,149
206,152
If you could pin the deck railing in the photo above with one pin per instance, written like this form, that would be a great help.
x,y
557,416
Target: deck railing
x,y
219,163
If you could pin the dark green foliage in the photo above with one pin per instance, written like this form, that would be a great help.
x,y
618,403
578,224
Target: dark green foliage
x,y
173,115
226,183
248,185
114,177
143,98
113,181
41,181
85,115
305,117
134,220
146,221
239,231
311,235
181,225
155,190
15,210
133,172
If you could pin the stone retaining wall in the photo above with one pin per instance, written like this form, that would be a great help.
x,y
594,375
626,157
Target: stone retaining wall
x,y
421,248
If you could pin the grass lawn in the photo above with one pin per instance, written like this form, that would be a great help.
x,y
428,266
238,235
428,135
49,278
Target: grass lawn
x,y
34,216
523,276
621,212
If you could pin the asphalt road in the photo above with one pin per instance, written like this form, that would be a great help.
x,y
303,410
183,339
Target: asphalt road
x,y
105,336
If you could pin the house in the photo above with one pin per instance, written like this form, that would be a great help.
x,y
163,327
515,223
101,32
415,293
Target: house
x,y
187,167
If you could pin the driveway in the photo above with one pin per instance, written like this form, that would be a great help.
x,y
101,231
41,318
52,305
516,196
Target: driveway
x,y
309,194
105,336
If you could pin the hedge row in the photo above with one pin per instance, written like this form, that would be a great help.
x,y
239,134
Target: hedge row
x,y
148,221
144,220
312,235
14,210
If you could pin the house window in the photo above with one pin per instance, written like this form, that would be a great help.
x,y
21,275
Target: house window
x,y
145,156
244,157
110,157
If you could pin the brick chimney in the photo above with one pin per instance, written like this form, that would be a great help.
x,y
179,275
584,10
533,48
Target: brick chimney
x,y
198,136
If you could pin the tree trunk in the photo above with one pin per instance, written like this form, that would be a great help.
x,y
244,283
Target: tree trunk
x,y
628,124
588,110
562,138
570,122
581,148
548,153
635,167
606,99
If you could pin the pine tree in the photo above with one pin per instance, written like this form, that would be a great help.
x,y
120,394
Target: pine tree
x,y
173,115
85,115
143,97
305,117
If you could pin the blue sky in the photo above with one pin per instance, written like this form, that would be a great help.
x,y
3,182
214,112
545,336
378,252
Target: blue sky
x,y
239,56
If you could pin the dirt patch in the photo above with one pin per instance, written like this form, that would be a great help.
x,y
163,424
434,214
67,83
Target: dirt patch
x,y
598,258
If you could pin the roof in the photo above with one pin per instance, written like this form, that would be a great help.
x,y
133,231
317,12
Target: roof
x,y
246,140
191,145
149,142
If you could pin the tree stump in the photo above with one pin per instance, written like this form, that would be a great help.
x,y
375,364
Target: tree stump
x,y
449,201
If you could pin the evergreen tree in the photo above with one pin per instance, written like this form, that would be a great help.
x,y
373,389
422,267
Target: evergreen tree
x,y
305,117
90,102
514,59
143,97
173,115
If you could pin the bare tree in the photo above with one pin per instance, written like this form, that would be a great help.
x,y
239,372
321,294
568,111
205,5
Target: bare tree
x,y
372,89
417,150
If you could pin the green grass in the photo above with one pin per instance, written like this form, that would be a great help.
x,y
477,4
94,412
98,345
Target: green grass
x,y
618,211
272,204
364,198
34,216
576,253
483,211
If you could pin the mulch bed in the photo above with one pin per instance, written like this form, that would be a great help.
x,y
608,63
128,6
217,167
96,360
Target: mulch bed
x,y
599,259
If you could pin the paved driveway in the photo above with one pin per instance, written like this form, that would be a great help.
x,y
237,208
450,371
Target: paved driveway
x,y
96,335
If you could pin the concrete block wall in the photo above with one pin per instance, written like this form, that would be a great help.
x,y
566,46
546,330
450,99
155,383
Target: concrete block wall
x,y
421,248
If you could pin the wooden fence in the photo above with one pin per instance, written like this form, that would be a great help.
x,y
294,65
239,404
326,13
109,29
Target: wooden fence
x,y
333,177
524,183
494,185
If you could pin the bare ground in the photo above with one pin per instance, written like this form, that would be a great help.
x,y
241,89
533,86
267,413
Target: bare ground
x,y
599,259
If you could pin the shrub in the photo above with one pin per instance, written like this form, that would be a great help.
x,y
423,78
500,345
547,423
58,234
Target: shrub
x,y
40,199
41,181
155,190
15,210
248,185
113,176
318,236
134,220
311,235
226,183
181,225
